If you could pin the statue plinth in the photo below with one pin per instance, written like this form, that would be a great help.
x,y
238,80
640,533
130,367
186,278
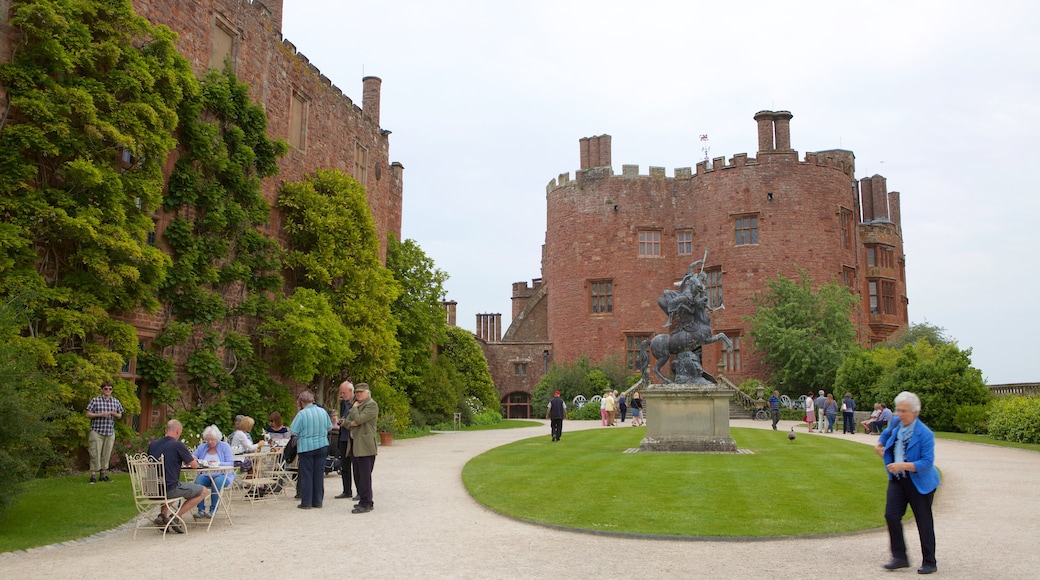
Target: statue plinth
x,y
688,417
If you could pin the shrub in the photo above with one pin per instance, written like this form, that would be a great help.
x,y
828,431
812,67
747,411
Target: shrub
x,y
972,419
1015,419
589,411
487,418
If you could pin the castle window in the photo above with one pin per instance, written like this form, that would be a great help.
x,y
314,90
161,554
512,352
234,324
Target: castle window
x,y
848,277
298,121
845,227
881,256
649,244
713,283
731,360
632,342
520,369
888,297
222,52
685,242
873,297
601,296
360,163
746,229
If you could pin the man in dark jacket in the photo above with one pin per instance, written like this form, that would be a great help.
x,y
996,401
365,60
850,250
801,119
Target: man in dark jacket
x,y
556,412
346,400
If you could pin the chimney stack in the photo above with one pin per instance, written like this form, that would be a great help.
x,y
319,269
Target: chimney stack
x,y
595,151
765,131
782,130
449,311
370,97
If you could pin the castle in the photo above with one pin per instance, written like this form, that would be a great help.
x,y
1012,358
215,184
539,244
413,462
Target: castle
x,y
324,127
613,243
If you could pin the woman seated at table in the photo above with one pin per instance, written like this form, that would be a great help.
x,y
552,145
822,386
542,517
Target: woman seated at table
x,y
241,442
276,429
213,449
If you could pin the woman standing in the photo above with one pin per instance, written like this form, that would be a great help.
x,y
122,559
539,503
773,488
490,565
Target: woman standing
x,y
311,427
830,410
810,411
848,421
213,449
637,410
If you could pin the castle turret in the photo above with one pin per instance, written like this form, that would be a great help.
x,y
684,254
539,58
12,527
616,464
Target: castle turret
x,y
370,97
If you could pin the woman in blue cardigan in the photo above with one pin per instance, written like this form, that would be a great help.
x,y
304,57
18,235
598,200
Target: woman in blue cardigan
x,y
213,449
908,449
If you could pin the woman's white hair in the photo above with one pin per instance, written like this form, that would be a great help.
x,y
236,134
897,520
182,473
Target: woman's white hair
x,y
212,430
911,399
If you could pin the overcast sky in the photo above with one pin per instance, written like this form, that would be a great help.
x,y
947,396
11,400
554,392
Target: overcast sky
x,y
487,101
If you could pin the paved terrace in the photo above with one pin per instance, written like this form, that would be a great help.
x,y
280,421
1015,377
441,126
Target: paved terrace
x,y
425,525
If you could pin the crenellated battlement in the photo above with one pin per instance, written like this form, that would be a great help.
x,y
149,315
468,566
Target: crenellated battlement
x,y
310,68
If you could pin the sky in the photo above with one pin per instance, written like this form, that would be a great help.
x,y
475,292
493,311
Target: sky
x,y
487,100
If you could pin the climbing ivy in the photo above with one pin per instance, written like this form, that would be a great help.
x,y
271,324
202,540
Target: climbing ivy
x,y
225,272
93,95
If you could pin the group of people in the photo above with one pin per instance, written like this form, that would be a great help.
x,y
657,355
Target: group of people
x,y
821,413
879,418
356,447
611,404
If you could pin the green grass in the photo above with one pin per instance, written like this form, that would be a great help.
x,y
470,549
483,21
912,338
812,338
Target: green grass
x,y
504,424
813,485
65,508
987,440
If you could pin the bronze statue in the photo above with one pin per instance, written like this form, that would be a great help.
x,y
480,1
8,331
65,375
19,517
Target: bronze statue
x,y
688,316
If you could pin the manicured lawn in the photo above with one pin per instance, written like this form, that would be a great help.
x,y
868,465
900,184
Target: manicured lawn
x,y
65,508
987,440
503,424
813,485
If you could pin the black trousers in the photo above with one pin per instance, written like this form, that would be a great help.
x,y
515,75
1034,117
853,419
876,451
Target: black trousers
x,y
363,478
556,427
776,417
901,492
344,466
848,423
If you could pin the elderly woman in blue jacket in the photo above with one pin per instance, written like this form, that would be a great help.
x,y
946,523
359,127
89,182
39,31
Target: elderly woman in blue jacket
x,y
213,449
908,449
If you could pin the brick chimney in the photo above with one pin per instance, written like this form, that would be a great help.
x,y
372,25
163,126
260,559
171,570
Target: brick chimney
x,y
595,151
449,311
782,130
765,131
489,327
370,97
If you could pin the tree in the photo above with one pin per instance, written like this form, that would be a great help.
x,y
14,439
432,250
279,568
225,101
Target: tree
x,y
861,374
942,376
94,91
935,335
572,379
333,250
461,350
420,316
803,335
308,338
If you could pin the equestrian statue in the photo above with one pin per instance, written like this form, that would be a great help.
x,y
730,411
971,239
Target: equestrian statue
x,y
689,326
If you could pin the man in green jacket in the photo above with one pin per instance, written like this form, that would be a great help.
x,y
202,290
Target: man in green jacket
x,y
363,444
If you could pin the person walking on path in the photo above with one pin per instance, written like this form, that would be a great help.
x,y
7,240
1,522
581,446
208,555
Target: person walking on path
x,y
363,445
774,408
556,412
622,404
102,411
637,410
311,426
907,447
819,404
346,401
810,413
848,414
830,411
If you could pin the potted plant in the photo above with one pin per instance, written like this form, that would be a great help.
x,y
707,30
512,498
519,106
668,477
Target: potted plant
x,y
386,424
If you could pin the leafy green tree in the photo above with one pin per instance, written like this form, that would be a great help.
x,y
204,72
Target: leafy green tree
x,y
419,312
803,335
942,376
94,91
935,335
309,339
861,374
580,377
333,249
461,350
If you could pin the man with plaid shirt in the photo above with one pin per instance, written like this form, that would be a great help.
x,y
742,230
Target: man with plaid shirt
x,y
102,411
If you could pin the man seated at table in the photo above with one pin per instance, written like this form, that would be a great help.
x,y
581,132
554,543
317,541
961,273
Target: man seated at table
x,y
174,453
883,419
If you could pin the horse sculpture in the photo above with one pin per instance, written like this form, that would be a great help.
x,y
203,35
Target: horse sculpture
x,y
688,309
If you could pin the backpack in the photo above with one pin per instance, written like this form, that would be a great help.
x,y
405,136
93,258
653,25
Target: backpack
x,y
289,453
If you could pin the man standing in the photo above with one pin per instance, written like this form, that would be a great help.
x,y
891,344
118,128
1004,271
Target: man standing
x,y
907,447
821,402
608,404
556,412
346,401
363,445
774,408
174,452
311,426
102,411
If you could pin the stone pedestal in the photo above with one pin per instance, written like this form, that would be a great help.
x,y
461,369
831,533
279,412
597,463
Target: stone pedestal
x,y
690,417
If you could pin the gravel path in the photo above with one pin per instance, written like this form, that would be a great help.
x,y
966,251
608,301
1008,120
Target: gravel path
x,y
425,525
